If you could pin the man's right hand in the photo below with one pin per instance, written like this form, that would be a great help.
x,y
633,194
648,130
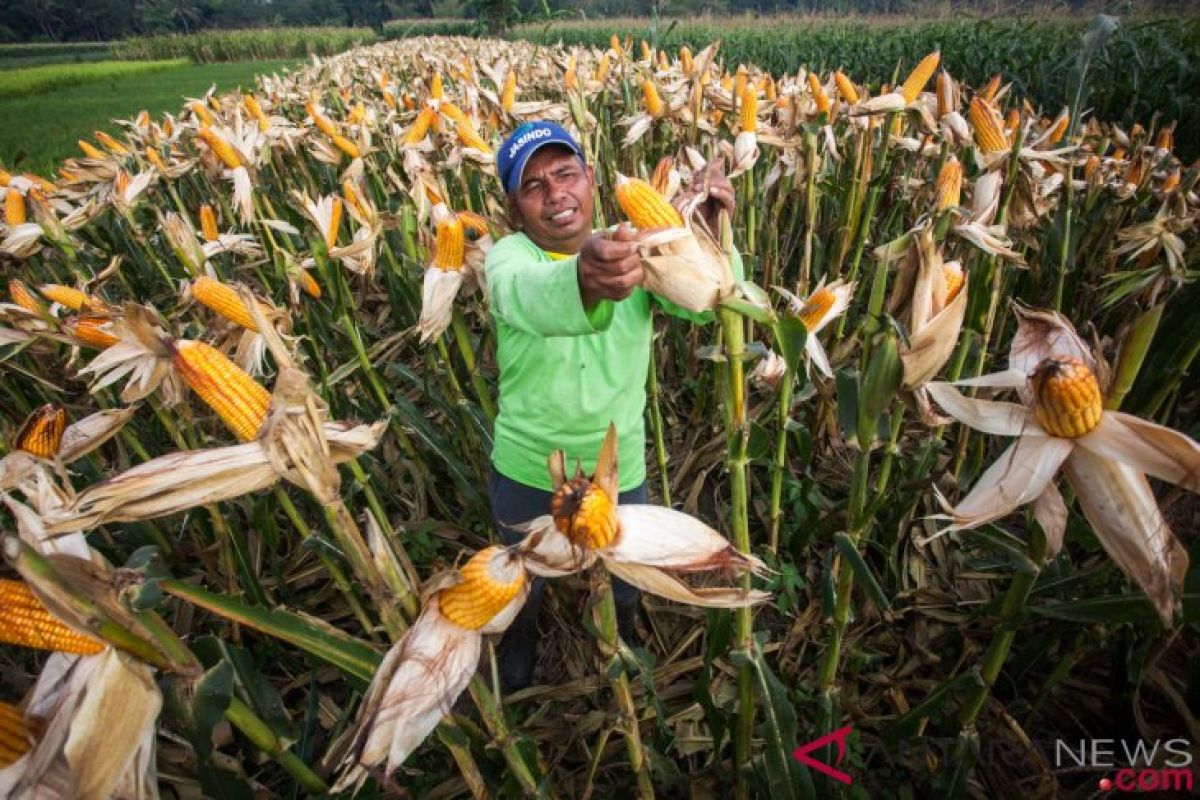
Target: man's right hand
x,y
609,266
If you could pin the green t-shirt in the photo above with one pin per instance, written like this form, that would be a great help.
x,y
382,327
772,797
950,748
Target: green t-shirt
x,y
566,372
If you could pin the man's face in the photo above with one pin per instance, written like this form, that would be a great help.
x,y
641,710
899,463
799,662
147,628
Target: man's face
x,y
553,204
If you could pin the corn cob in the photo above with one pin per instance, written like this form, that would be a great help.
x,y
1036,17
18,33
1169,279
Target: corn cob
x,y
88,331
1166,139
453,112
483,592
615,43
845,87
239,400
65,296
645,207
770,91
570,80
208,223
112,144
335,224
390,99
663,63
474,222
224,300
42,433
90,150
585,514
1060,128
221,148
509,94
420,127
309,284
436,90
155,160
19,293
602,68
1091,166
353,199
14,208
655,106
953,275
749,110
201,113
357,114
1066,396
1135,171
5,176
988,92
450,247
818,93
920,76
345,145
945,94
1171,182
989,131
816,307
685,61
739,81
469,137
949,184
121,183
646,54
252,105
16,736
25,621
1012,121
661,177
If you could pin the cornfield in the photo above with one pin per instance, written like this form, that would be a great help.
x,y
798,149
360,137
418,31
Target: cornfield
x,y
250,382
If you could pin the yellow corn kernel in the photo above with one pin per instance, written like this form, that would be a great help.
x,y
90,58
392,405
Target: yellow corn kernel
x,y
769,89
354,199
949,184
988,92
239,400
208,223
64,295
25,621
5,176
953,275
487,586
346,146
945,94
845,87
112,144
335,222
473,222
252,105
450,246
615,43
509,94
749,110
221,148
570,80
16,735
655,106
223,299
645,207
453,112
818,93
1066,397
817,307
19,293
585,514
646,54
91,151
89,331
469,137
14,208
989,130
201,113
420,127
42,432
323,123
1012,121
1059,130
920,76
436,89
663,63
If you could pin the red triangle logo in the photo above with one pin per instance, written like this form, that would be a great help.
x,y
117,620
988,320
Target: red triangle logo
x,y
801,754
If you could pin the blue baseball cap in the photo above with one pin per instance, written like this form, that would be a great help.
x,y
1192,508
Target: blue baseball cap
x,y
523,143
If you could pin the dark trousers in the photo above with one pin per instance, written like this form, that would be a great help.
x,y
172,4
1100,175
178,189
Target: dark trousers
x,y
514,503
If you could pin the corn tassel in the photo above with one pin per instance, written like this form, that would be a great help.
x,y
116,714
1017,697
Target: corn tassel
x,y
480,596
645,207
1067,401
25,621
239,400
224,300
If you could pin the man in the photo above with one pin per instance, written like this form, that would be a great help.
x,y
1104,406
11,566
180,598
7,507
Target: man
x,y
573,345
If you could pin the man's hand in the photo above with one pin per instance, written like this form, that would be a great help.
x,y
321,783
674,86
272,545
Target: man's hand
x,y
609,266
720,193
